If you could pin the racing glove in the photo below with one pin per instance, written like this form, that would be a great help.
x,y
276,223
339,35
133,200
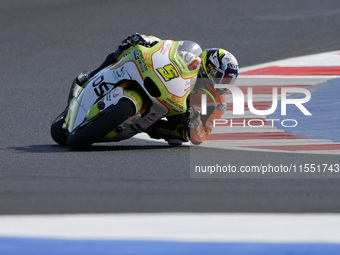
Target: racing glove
x,y
138,39
193,118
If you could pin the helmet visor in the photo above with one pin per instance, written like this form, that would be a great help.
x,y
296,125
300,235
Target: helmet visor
x,y
225,78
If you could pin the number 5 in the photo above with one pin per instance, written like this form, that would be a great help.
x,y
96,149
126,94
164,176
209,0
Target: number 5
x,y
168,72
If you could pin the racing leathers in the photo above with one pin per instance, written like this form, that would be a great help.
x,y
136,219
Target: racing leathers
x,y
190,125
202,126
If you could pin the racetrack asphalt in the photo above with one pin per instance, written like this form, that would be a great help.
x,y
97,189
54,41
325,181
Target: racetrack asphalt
x,y
45,44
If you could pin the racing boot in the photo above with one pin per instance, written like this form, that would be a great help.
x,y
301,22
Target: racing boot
x,y
174,134
82,78
77,84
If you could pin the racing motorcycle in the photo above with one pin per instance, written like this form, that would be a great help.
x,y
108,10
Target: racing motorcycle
x,y
127,97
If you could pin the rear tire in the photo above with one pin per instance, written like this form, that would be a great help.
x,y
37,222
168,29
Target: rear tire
x,y
101,126
58,134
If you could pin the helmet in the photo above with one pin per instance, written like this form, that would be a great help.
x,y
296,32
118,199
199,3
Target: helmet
x,y
219,66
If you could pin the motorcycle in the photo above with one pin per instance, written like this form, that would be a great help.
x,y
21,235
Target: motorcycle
x,y
127,97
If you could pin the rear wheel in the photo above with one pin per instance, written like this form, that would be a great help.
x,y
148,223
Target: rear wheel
x,y
58,134
101,126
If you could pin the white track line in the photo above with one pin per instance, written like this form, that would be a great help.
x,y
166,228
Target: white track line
x,y
196,227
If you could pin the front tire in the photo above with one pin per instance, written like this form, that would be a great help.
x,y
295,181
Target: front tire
x,y
101,126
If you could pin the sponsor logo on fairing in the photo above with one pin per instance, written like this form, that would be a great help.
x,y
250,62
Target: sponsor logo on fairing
x,y
136,54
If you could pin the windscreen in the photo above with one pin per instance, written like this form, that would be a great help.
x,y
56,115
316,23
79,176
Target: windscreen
x,y
190,51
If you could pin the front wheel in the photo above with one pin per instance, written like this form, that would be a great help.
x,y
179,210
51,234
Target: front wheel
x,y
102,125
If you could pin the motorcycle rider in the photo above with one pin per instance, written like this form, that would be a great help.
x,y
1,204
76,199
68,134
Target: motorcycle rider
x,y
217,66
